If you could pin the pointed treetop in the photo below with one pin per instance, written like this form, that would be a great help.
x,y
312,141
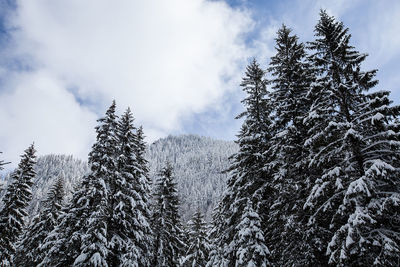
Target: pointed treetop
x,y
111,109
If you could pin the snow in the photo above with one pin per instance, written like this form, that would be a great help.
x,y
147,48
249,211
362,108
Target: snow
x,y
376,118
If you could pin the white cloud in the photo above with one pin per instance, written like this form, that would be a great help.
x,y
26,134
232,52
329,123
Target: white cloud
x,y
164,59
39,109
167,60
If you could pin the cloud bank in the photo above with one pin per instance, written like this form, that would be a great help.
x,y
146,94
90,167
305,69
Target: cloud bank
x,y
66,61
176,63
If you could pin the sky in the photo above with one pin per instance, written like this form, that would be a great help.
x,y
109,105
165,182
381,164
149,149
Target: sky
x,y
177,64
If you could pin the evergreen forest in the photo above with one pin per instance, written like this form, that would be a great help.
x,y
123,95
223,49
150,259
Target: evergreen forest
x,y
313,181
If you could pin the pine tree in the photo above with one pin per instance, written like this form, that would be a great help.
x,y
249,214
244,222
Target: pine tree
x,y
129,228
15,202
215,235
292,77
198,243
249,239
248,179
355,150
80,239
62,245
29,247
140,150
166,225
103,165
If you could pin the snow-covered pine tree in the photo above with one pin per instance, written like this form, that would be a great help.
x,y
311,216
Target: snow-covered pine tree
x,y
12,215
102,161
355,148
62,245
140,150
291,78
168,234
198,244
249,239
215,235
248,179
129,227
29,247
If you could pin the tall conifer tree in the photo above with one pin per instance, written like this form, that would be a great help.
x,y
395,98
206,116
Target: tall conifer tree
x,y
102,161
62,245
129,227
355,149
248,179
198,244
292,76
29,247
166,224
15,202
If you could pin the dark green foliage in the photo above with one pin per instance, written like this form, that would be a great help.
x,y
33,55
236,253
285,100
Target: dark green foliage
x,y
15,202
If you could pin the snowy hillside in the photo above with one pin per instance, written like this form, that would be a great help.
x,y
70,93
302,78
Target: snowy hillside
x,y
198,163
48,168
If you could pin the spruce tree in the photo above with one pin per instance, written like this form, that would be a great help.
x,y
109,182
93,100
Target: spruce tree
x,y
216,237
168,234
129,227
62,245
103,165
198,244
29,247
355,152
292,77
248,178
140,150
249,239
13,213
80,239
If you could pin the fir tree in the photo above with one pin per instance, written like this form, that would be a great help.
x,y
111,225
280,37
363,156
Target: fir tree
x,y
81,237
62,245
140,150
292,76
249,239
215,235
355,146
248,179
15,202
29,247
129,227
168,233
198,243
102,161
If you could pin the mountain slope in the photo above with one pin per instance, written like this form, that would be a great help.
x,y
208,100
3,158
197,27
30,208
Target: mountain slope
x,y
197,162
